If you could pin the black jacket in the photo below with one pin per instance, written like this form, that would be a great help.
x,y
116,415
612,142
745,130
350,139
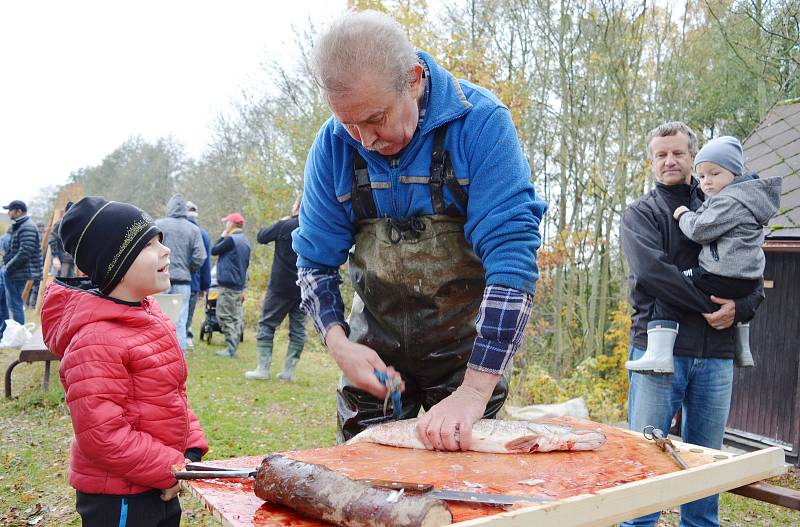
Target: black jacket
x,y
657,252
57,246
23,260
283,277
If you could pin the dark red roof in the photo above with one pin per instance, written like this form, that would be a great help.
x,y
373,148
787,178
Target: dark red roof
x,y
773,149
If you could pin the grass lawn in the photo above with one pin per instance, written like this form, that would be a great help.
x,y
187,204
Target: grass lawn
x,y
240,417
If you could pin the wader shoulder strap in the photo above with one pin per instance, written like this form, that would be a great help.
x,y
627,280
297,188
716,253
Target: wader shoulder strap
x,y
363,203
442,175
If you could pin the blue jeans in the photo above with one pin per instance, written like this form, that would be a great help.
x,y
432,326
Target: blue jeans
x,y
702,388
3,306
180,326
190,315
14,298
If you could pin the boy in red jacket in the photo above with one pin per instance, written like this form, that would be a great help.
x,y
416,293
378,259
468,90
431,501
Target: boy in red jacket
x,y
122,369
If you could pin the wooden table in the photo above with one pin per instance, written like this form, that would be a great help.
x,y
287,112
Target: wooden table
x,y
33,351
626,478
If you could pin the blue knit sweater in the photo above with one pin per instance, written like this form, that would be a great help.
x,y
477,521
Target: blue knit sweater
x,y
503,213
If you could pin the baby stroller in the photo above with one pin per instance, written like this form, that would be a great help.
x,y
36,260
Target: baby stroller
x,y
211,323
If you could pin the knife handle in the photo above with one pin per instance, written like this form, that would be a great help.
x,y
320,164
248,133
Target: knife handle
x,y
397,485
197,465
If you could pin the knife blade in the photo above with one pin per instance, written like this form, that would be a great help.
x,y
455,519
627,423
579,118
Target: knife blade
x,y
486,498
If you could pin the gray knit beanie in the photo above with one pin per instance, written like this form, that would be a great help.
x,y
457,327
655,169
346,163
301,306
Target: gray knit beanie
x,y
726,151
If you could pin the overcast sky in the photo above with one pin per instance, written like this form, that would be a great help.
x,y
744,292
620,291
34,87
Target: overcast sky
x,y
78,78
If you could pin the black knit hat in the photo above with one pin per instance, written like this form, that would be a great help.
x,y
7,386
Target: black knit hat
x,y
105,237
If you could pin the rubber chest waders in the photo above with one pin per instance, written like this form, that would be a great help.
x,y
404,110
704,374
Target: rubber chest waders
x,y
418,289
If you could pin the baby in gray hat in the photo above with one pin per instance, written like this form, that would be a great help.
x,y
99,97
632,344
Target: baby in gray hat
x,y
730,227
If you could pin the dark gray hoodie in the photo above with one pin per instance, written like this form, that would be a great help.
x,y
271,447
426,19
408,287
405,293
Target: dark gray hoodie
x,y
184,241
730,226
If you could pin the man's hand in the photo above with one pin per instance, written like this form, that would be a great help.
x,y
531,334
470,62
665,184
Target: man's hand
x,y
724,316
448,425
680,210
56,264
242,297
168,494
201,294
358,363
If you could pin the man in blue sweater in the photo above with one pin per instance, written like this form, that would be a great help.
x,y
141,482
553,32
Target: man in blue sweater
x,y
424,177
233,258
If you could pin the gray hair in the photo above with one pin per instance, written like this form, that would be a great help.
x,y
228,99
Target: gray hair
x,y
670,129
366,41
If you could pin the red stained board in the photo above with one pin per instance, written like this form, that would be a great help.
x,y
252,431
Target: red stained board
x,y
623,459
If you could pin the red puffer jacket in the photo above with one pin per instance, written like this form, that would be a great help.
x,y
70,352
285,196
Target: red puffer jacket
x,y
124,376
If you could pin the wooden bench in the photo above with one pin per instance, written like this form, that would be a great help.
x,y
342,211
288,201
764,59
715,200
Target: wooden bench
x,y
33,351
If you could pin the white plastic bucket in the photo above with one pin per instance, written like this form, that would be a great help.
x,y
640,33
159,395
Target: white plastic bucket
x,y
170,304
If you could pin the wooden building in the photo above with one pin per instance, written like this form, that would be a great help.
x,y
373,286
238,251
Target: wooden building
x,y
765,409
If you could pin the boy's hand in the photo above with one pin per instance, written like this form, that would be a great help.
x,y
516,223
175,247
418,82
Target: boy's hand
x,y
680,210
168,494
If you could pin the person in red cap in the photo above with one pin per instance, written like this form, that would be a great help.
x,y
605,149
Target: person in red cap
x,y
233,258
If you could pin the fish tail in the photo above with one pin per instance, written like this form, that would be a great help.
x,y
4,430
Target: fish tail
x,y
587,439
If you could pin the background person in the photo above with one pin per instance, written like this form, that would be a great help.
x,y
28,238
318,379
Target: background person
x,y
730,227
5,243
187,255
703,353
33,294
282,298
201,279
232,250
23,259
63,264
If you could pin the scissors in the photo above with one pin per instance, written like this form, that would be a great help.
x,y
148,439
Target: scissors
x,y
393,392
652,433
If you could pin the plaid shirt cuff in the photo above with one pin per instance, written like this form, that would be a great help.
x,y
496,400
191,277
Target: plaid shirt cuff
x,y
321,298
500,325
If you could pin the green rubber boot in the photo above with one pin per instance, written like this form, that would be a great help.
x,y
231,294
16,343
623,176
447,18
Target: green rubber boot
x,y
264,358
292,358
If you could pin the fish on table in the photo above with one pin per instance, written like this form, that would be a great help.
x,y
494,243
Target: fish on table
x,y
494,436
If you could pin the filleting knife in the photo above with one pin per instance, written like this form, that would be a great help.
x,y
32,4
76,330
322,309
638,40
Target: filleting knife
x,y
209,471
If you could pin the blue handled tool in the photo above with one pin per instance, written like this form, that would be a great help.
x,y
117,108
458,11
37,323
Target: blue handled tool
x,y
393,393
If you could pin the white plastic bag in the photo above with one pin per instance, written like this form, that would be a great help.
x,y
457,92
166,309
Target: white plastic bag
x,y
16,335
574,407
